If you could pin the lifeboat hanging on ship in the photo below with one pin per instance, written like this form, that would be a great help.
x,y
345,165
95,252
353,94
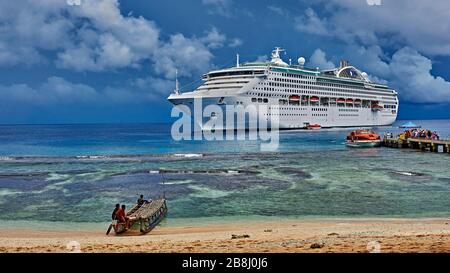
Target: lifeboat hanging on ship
x,y
341,100
294,98
363,139
314,99
376,106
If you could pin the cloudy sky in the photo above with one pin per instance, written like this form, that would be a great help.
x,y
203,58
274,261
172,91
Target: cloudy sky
x,y
75,61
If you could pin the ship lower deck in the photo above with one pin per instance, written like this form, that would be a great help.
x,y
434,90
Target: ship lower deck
x,y
209,114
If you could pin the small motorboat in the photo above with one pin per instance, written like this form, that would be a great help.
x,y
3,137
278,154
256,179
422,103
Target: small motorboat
x,y
313,127
363,139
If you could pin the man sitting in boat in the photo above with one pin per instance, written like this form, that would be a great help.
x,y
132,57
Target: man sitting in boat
x,y
142,201
113,216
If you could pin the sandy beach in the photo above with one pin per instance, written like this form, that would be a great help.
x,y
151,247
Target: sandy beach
x,y
343,235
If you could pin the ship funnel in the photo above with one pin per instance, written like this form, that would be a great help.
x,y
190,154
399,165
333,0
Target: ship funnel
x,y
344,63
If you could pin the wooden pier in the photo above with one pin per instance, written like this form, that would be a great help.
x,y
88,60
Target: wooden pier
x,y
418,143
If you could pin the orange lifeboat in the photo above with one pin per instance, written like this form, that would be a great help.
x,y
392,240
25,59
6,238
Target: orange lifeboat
x,y
294,98
313,127
363,138
314,99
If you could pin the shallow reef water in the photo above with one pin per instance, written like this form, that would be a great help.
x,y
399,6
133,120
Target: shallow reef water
x,y
312,174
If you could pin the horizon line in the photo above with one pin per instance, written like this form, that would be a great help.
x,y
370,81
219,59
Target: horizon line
x,y
151,122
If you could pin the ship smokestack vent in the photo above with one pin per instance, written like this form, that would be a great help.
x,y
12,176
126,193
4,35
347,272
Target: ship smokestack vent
x,y
344,63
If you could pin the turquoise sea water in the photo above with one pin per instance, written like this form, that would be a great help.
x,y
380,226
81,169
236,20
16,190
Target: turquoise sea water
x,y
76,173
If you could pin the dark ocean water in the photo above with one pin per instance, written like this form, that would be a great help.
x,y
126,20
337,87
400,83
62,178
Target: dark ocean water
x,y
75,173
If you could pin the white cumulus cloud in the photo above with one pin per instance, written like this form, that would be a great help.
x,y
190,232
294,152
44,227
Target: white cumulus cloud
x,y
319,59
412,73
422,25
310,22
407,71
181,52
59,91
96,36
54,90
415,28
235,42
218,7
213,38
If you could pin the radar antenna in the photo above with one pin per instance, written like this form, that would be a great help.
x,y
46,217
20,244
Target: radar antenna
x,y
276,56
276,52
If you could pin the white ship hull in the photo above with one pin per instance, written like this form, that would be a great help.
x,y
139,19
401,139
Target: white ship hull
x,y
291,117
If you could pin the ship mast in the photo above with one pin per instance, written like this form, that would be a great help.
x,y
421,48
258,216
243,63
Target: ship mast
x,y
276,58
177,85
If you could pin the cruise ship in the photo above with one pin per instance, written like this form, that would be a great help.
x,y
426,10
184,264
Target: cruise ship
x,y
297,95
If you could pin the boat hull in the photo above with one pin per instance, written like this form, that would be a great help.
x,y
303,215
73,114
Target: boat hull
x,y
364,144
281,116
148,224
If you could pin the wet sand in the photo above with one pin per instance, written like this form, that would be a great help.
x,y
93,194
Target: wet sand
x,y
333,235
